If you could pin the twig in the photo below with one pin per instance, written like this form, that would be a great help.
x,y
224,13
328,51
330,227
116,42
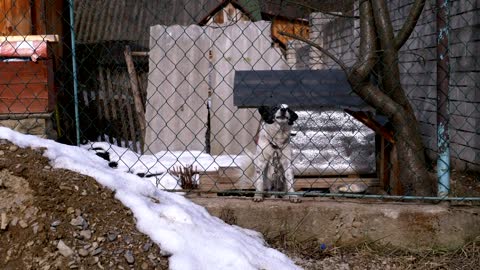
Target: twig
x,y
185,174
320,48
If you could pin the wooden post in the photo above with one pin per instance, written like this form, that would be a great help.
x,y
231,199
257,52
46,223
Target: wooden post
x,y
139,108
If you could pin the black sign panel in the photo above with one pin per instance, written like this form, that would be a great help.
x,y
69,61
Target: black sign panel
x,y
297,88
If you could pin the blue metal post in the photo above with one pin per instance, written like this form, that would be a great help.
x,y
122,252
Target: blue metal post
x,y
443,81
74,70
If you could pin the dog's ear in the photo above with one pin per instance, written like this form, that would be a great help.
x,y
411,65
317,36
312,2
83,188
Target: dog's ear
x,y
266,114
293,116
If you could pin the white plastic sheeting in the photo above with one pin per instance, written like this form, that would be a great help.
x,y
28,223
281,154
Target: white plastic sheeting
x,y
188,62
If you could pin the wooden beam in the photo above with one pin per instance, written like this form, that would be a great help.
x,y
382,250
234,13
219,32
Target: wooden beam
x,y
373,124
137,98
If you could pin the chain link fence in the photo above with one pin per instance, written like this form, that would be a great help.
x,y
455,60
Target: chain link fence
x,y
367,99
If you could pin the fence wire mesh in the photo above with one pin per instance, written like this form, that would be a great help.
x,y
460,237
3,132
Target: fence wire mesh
x,y
367,99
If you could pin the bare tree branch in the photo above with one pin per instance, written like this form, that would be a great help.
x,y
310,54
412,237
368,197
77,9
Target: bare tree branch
x,y
367,58
320,48
409,24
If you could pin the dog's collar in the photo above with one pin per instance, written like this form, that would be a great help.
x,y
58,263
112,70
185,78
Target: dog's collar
x,y
274,146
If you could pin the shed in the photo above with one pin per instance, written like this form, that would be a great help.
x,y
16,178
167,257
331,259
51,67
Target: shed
x,y
309,92
31,56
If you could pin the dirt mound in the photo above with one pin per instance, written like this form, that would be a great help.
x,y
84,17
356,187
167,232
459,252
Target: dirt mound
x,y
58,219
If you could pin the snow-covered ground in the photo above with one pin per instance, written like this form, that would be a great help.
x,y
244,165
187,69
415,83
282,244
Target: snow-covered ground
x,y
182,229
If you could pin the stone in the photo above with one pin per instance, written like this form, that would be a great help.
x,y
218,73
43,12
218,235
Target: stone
x,y
70,210
14,221
129,257
23,224
55,223
96,251
4,221
128,239
144,266
112,236
13,148
146,247
83,252
65,250
35,227
78,221
86,234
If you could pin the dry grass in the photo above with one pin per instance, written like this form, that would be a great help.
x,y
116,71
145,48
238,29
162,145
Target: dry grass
x,y
310,255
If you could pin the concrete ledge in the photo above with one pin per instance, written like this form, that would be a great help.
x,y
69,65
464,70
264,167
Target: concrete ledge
x,y
410,226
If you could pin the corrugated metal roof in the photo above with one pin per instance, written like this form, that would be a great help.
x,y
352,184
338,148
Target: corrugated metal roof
x,y
302,8
107,20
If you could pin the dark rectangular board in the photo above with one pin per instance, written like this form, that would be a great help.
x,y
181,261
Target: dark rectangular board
x,y
297,88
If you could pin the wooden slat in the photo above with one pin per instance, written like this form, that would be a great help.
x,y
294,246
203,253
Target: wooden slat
x,y
49,38
219,181
24,87
15,17
135,86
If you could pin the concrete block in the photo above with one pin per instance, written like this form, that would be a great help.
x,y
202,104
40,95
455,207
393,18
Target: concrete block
x,y
409,226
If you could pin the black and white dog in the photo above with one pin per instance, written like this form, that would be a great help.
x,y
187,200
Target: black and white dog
x,y
273,157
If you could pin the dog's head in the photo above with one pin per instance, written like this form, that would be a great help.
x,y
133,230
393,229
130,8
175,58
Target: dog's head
x,y
280,114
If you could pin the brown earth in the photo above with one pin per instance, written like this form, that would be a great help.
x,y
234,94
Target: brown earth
x,y
41,207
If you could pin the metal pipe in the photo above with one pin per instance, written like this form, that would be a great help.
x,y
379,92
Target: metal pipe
x,y
443,79
336,195
74,70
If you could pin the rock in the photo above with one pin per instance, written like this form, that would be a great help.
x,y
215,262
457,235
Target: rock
x,y
353,188
65,250
84,193
4,221
13,148
112,236
2,152
128,239
14,221
101,239
70,210
78,221
23,224
83,252
86,234
55,223
35,228
96,251
129,257
146,247
93,260
144,266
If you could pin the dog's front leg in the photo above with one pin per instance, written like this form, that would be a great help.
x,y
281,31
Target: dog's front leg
x,y
289,179
261,163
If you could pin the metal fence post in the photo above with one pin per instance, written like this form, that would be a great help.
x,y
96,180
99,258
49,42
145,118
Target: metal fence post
x,y
443,79
74,71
